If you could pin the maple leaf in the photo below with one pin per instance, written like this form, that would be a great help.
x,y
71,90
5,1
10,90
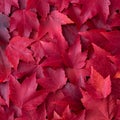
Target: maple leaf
x,y
24,25
53,79
101,62
52,54
53,23
72,95
5,6
42,7
24,96
93,8
4,24
101,86
98,108
52,26
22,92
74,61
17,50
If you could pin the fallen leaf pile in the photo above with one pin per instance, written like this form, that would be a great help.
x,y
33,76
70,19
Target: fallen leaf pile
x,y
59,60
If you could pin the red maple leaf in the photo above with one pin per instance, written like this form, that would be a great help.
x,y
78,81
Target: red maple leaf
x,y
24,25
18,48
98,108
25,96
101,86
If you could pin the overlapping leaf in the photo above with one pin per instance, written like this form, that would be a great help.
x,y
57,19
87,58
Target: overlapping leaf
x,y
24,25
18,48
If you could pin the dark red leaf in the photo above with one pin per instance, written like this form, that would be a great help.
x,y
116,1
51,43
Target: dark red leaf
x,y
53,79
93,8
102,87
98,108
101,61
4,24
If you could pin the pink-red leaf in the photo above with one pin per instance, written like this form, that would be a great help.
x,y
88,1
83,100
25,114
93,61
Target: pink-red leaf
x,y
17,50
102,86
24,25
53,23
101,61
19,93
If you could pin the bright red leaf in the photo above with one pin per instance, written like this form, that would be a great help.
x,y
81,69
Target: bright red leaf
x,y
101,61
98,108
24,96
52,26
24,25
18,48
53,79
